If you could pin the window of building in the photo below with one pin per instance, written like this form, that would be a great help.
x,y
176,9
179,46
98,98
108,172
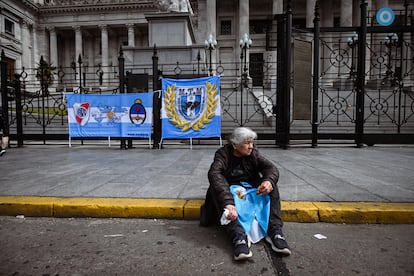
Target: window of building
x,y
225,27
9,27
399,20
299,23
337,22
11,65
259,26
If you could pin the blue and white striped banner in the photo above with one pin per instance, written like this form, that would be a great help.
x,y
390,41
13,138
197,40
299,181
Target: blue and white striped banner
x,y
120,115
191,108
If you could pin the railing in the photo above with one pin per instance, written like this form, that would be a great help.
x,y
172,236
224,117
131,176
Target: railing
x,y
350,103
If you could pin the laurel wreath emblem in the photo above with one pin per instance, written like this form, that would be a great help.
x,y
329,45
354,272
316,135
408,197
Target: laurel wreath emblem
x,y
212,101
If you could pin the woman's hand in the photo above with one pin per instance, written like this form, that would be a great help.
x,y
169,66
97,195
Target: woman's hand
x,y
232,212
265,188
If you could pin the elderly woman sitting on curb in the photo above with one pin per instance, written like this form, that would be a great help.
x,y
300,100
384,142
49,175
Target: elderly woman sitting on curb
x,y
243,191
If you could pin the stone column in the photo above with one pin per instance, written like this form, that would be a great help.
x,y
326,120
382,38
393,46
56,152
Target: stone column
x,y
243,17
78,42
346,13
35,49
53,59
104,52
212,29
26,53
211,18
310,13
327,17
243,23
131,35
42,44
277,7
355,12
380,4
271,56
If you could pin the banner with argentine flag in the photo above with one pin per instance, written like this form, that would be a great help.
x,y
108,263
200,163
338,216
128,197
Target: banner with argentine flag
x,y
191,108
117,115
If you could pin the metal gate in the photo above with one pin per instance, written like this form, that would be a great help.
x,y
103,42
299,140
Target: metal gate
x,y
360,89
248,89
362,82
36,106
33,111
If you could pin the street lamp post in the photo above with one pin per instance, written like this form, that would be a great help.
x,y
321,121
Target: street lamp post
x,y
210,44
352,43
391,40
395,76
80,73
85,69
245,43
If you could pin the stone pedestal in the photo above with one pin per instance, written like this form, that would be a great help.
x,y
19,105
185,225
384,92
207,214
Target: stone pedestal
x,y
170,29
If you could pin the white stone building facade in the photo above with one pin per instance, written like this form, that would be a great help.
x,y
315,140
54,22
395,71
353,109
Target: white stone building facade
x,y
63,30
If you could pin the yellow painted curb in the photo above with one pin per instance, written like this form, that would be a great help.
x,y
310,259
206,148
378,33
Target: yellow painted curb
x,y
31,206
119,207
91,207
192,209
365,212
293,211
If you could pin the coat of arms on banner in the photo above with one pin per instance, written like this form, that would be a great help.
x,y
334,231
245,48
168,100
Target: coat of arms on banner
x,y
137,113
82,113
191,107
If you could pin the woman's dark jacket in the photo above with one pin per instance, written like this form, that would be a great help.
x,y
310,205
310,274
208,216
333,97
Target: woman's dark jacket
x,y
256,166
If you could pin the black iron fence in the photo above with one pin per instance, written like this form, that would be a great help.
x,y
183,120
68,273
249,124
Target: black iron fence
x,y
360,88
43,113
363,82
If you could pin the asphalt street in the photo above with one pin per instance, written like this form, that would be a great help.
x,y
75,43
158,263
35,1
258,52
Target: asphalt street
x,y
101,181
82,246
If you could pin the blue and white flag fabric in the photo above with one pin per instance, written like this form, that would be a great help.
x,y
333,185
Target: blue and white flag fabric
x,y
117,115
191,108
253,210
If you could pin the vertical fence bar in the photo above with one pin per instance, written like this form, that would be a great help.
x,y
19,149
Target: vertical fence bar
x,y
4,99
315,90
284,53
19,116
44,91
399,77
288,72
121,67
360,95
242,82
281,22
157,101
80,73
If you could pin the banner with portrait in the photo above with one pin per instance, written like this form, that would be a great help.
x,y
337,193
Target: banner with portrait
x,y
191,108
116,115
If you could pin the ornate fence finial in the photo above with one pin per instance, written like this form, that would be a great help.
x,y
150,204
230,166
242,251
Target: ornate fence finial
x,y
317,14
289,6
155,49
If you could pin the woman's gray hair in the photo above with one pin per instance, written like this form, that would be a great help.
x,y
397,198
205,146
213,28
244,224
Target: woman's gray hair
x,y
241,134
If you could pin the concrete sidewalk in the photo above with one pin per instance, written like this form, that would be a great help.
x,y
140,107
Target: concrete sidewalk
x,y
328,183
